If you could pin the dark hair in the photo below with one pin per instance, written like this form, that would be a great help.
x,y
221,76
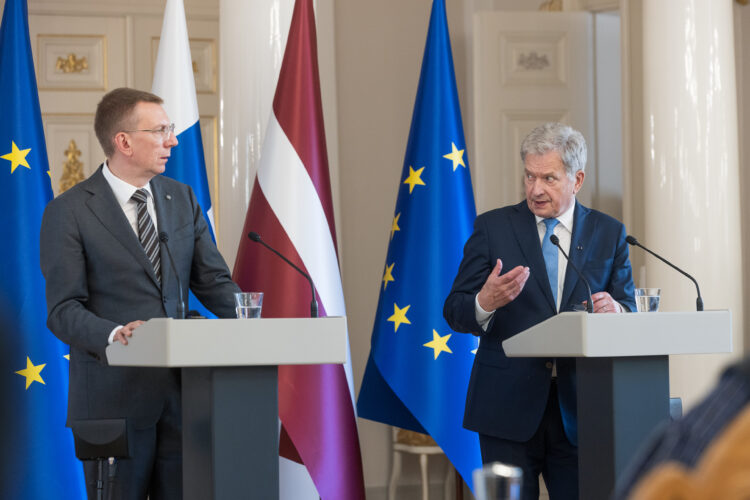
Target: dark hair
x,y
114,113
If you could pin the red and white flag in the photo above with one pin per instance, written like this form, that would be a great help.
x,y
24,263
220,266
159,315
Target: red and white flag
x,y
291,208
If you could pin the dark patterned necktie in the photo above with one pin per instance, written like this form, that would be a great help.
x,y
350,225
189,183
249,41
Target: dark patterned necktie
x,y
147,231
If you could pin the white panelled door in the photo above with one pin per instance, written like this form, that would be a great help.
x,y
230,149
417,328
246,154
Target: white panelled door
x,y
529,68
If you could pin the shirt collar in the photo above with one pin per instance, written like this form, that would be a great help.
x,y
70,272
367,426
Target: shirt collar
x,y
123,191
565,219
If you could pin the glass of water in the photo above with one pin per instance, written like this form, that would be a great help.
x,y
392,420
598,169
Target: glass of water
x,y
647,299
248,304
497,481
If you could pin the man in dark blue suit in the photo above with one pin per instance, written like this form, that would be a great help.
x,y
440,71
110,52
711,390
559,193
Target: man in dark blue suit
x,y
511,278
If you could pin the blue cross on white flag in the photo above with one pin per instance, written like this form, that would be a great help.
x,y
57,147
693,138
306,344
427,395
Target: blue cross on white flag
x,y
174,82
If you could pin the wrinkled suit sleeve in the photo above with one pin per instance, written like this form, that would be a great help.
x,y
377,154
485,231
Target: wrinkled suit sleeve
x,y
459,308
63,263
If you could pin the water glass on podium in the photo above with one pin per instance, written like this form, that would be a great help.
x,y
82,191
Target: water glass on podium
x,y
647,299
497,481
248,304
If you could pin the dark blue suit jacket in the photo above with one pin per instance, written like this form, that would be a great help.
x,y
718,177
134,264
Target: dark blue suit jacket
x,y
506,397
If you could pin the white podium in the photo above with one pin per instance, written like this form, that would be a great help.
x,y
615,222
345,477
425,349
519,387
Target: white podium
x,y
230,427
622,368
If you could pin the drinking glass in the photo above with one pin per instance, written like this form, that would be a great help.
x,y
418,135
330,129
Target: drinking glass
x,y
497,481
647,299
248,304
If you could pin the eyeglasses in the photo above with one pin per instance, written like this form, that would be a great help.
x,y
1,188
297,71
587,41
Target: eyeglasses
x,y
166,131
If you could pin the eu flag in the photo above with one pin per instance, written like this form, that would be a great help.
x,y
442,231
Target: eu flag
x,y
38,460
418,371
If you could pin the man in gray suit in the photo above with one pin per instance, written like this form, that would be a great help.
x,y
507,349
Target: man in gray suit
x,y
107,271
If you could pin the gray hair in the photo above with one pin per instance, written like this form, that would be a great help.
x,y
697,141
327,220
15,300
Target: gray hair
x,y
566,140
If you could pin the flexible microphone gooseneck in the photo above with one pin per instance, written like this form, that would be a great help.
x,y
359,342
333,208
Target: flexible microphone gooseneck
x,y
181,306
590,304
313,303
698,301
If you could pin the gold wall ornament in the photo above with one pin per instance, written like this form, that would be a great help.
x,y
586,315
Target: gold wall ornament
x,y
553,5
72,64
72,168
743,2
195,68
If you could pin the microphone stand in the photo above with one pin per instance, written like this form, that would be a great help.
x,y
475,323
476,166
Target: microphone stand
x,y
181,307
698,301
313,303
590,304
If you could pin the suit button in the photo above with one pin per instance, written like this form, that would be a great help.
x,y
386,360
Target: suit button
x,y
548,365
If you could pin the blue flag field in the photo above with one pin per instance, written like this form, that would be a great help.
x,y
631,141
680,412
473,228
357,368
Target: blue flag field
x,y
38,460
418,370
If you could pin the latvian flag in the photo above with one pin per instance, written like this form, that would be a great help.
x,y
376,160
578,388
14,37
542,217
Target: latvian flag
x,y
291,208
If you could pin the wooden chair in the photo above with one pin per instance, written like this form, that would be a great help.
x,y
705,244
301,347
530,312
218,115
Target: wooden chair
x,y
416,444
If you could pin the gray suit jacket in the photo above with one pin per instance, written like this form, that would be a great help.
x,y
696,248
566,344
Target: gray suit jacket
x,y
98,276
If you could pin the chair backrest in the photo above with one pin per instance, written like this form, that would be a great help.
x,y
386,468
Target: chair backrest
x,y
721,473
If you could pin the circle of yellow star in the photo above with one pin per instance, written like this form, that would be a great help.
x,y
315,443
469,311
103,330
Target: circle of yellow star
x,y
16,157
399,316
414,179
388,275
439,344
456,156
394,224
32,373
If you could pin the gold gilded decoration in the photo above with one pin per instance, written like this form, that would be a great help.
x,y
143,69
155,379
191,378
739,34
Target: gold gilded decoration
x,y
72,168
743,2
551,5
195,68
72,64
414,438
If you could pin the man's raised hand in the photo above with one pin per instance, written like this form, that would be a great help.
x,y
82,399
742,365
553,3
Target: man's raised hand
x,y
499,290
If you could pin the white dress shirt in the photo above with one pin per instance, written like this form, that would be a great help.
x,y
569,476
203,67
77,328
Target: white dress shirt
x,y
123,194
563,230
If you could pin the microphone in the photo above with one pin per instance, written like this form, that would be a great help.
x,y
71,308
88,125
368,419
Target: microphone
x,y
698,301
313,303
590,304
181,306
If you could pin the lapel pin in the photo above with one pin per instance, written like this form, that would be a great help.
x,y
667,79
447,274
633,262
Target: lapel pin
x,y
579,247
169,196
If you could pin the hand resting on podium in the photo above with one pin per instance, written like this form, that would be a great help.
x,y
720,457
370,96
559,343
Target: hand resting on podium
x,y
604,303
126,332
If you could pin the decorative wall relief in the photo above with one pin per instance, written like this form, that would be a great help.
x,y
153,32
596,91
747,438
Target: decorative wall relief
x,y
538,60
533,61
72,148
72,167
72,62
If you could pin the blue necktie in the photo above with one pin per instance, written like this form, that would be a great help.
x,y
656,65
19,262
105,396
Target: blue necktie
x,y
550,256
